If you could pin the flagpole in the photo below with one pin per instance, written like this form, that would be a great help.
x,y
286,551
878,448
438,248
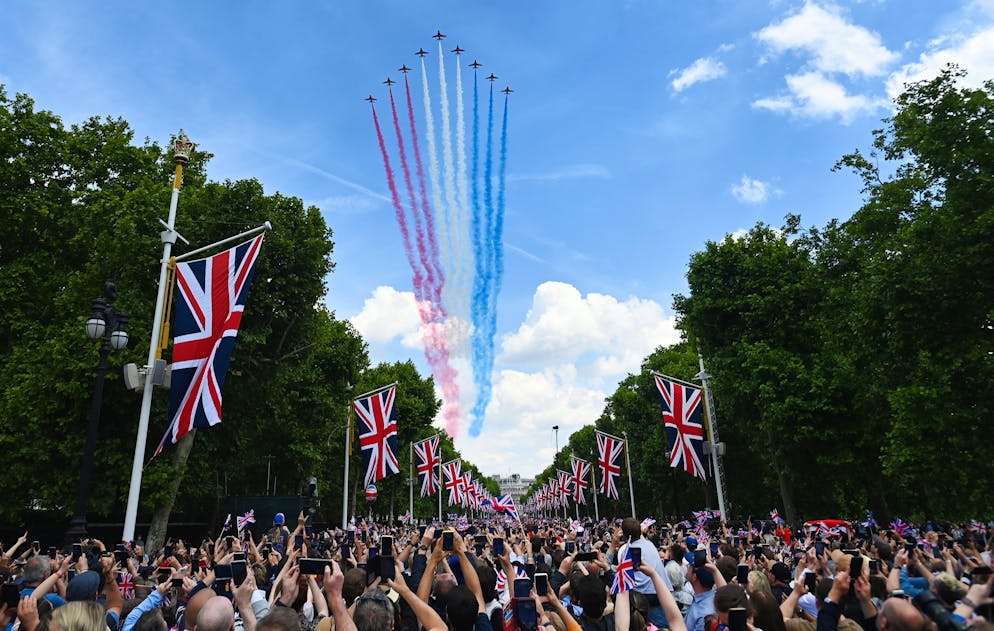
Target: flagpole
x,y
345,484
181,155
719,473
593,489
241,235
439,480
410,483
628,460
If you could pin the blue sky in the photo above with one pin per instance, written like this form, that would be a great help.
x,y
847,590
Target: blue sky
x,y
638,131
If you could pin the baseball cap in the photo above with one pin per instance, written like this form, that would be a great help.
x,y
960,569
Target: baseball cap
x,y
279,519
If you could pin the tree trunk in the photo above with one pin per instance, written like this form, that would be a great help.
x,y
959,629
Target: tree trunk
x,y
787,496
160,518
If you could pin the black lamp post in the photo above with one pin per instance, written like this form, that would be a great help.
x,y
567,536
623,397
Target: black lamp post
x,y
109,327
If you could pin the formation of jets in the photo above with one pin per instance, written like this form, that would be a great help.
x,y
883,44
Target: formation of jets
x,y
422,52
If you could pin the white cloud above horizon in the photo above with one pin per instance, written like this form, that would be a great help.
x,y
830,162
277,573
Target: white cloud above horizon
x,y
701,70
555,368
973,53
752,191
814,95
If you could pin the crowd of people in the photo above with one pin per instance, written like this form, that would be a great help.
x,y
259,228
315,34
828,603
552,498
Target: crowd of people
x,y
499,574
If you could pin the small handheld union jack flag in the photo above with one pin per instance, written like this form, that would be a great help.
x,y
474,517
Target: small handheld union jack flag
x,y
624,578
775,516
900,527
683,418
378,433
246,519
870,521
126,583
609,461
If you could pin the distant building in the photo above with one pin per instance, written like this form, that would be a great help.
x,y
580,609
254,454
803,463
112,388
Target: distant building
x,y
513,485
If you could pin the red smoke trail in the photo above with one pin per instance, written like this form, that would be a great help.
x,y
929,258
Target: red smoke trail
x,y
432,286
423,190
430,300
419,292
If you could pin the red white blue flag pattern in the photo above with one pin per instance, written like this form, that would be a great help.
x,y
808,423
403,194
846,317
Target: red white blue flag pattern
x,y
682,414
209,307
378,433
624,578
609,460
427,461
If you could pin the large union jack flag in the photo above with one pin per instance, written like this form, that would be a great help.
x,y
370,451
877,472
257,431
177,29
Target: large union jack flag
x,y
378,433
624,578
682,415
565,486
609,460
581,469
453,481
209,307
428,460
469,490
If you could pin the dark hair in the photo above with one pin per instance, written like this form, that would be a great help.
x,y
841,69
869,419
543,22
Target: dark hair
x,y
631,528
590,592
677,552
373,614
768,616
354,585
729,597
151,621
488,582
462,608
729,567
279,619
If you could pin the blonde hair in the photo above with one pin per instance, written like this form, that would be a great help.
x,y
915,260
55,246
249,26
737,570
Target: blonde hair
x,y
759,581
80,616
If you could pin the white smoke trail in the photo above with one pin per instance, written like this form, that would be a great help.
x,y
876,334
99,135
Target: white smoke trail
x,y
446,254
464,256
455,297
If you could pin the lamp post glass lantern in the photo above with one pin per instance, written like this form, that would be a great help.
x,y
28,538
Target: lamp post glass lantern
x,y
109,327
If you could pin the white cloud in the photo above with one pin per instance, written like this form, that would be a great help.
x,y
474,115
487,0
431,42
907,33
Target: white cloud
x,y
813,95
833,43
564,326
703,69
750,191
387,315
974,53
347,204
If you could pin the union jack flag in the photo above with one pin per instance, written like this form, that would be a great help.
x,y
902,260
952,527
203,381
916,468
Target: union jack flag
x,y
502,577
378,433
126,583
870,521
701,516
775,516
624,578
565,486
978,526
581,469
470,490
682,416
406,518
505,504
246,519
209,308
900,527
453,481
428,460
609,460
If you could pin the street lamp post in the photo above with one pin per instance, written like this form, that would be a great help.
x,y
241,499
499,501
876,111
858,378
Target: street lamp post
x,y
109,327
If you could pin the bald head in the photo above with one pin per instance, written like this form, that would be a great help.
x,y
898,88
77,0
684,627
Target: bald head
x,y
216,615
898,614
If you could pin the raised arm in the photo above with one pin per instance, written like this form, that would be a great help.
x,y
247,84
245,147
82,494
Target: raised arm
x,y
427,617
469,574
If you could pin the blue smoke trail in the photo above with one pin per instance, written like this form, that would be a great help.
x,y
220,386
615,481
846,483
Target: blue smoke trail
x,y
483,349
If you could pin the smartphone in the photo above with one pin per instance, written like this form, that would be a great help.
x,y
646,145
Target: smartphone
x,y
522,587
541,584
570,547
481,540
238,556
856,567
478,550
498,546
345,551
524,611
714,548
121,556
530,569
52,552
757,553
585,556
737,619
222,572
309,531
77,551
421,530
700,558
239,571
541,542
910,546
636,555
874,566
447,539
819,548
742,574
167,551
735,542
387,568
298,542
811,581
386,544
312,567
36,545
177,583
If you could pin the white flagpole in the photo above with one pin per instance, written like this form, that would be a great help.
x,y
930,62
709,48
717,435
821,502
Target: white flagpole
x,y
181,154
719,477
628,460
411,483
440,486
345,484
593,489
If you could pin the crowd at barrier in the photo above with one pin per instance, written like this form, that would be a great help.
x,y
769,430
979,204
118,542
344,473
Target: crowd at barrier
x,y
502,574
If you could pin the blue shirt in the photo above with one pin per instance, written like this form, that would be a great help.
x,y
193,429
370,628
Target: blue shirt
x,y
702,606
55,599
650,557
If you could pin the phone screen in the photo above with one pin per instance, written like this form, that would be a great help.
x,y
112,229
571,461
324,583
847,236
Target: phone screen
x,y
700,558
737,619
570,547
819,548
811,581
351,536
498,547
742,574
77,551
524,609
386,544
522,587
312,567
298,542
856,567
636,554
387,568
541,584
222,572
447,539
